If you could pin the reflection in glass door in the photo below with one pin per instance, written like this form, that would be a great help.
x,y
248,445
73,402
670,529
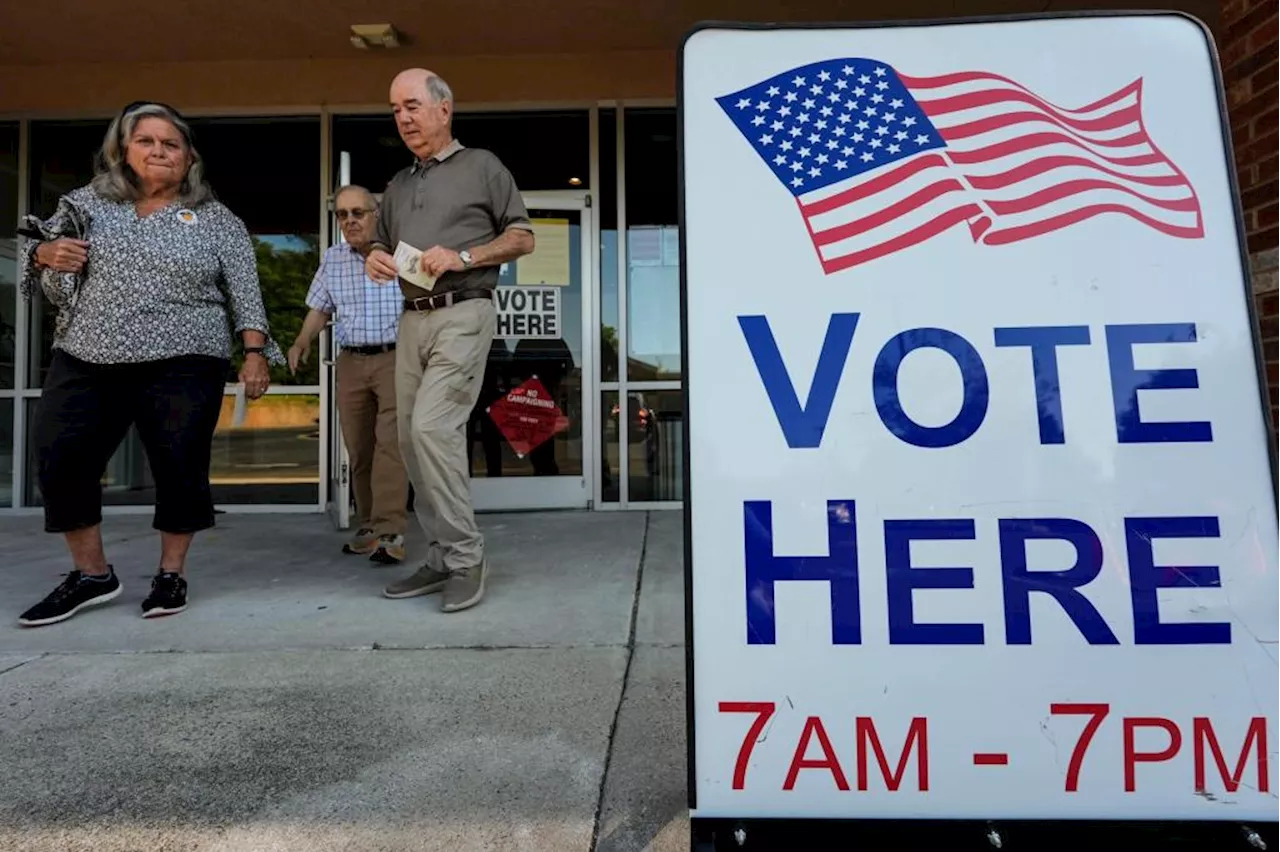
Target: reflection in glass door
x,y
530,438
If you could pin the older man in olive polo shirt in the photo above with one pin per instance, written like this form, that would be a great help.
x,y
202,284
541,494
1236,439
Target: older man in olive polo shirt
x,y
460,207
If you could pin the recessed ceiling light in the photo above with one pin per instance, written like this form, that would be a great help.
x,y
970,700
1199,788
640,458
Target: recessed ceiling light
x,y
365,36
575,181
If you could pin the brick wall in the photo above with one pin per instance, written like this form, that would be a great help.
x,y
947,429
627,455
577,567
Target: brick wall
x,y
1247,41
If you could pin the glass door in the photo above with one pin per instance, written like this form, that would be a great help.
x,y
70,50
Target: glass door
x,y
529,440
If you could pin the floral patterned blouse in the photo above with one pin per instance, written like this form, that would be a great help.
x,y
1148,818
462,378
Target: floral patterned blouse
x,y
175,282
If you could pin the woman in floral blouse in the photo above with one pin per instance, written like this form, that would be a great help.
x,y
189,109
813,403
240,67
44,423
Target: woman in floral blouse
x,y
150,275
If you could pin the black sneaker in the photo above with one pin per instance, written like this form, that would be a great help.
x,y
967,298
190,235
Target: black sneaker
x,y
168,595
77,592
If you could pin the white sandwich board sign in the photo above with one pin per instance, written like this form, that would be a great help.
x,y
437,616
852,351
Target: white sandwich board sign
x,y
981,519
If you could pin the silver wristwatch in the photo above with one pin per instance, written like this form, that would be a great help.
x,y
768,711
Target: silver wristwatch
x,y
467,259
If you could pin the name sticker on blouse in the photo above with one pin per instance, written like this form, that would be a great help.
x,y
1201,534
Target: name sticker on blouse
x,y
187,217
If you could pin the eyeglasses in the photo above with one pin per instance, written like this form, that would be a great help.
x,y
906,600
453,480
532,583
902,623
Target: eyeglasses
x,y
354,213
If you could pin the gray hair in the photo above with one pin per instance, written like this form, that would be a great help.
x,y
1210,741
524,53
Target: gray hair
x,y
355,187
438,89
115,179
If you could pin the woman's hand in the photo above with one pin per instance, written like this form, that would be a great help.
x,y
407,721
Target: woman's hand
x,y
63,255
255,375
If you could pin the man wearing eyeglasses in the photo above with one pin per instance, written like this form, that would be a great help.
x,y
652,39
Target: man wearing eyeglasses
x,y
367,321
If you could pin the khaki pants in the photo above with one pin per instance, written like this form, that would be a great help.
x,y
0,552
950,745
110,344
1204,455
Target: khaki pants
x,y
440,361
367,412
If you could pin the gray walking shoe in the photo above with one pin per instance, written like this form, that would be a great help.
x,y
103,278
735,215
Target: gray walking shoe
x,y
464,589
425,581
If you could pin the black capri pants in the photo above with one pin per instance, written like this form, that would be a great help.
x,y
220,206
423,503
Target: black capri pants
x,y
85,412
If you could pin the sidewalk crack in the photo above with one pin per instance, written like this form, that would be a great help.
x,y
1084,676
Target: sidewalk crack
x,y
17,666
622,693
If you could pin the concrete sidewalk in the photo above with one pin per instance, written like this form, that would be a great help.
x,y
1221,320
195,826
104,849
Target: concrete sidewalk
x,y
291,707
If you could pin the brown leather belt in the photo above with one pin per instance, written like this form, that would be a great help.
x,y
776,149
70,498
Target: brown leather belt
x,y
437,301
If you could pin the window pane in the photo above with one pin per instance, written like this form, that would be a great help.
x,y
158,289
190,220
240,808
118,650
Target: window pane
x,y
653,302
655,446
543,150
267,450
8,254
653,258
6,452
610,468
276,196
61,160
608,195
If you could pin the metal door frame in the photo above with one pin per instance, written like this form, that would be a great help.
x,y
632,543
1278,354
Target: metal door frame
x,y
337,480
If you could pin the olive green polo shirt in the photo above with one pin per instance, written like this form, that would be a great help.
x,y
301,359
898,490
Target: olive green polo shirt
x,y
458,198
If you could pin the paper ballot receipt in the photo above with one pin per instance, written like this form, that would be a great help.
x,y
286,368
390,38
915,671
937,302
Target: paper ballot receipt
x,y
407,265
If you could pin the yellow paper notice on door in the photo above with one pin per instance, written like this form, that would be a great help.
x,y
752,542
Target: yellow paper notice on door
x,y
548,266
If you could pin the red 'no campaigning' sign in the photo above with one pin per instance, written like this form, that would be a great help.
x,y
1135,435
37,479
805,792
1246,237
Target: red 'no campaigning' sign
x,y
528,417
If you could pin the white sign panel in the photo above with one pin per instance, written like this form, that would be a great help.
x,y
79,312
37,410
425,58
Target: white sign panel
x,y
981,515
528,313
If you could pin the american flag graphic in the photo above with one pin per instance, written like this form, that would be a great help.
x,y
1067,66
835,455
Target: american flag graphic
x,y
879,161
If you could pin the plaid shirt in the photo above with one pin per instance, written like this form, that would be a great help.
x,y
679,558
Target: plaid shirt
x,y
365,313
